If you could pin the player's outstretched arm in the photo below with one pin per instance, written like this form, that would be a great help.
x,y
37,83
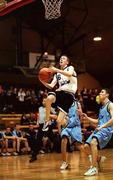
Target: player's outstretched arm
x,y
92,120
68,73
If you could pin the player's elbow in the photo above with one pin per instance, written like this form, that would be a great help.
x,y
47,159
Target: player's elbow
x,y
112,121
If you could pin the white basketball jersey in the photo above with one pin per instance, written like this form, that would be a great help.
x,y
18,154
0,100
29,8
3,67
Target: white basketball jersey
x,y
66,83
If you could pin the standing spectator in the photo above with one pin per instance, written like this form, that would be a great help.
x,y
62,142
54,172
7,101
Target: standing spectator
x,y
34,140
21,100
2,103
28,102
84,94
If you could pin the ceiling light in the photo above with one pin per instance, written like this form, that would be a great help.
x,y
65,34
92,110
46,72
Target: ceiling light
x,y
97,38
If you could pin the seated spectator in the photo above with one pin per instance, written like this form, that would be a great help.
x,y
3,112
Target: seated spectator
x,y
24,120
2,144
17,133
10,141
32,119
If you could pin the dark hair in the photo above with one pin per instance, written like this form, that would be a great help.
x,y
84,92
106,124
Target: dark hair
x,y
107,90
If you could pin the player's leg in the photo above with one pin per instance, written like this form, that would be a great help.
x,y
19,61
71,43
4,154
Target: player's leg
x,y
87,150
18,140
64,141
63,148
50,99
103,136
14,147
61,120
3,148
94,154
79,146
26,144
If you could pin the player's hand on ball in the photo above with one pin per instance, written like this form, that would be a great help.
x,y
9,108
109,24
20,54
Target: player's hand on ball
x,y
45,75
53,69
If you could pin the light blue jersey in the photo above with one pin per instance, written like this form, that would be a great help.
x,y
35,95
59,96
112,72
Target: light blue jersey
x,y
105,134
105,116
73,128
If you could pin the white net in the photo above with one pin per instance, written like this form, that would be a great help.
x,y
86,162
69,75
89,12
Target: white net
x,y
52,8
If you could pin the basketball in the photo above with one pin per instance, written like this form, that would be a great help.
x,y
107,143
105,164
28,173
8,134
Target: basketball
x,y
45,74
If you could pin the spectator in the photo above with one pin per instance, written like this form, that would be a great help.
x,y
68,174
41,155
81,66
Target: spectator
x,y
10,141
34,140
21,100
84,94
2,144
17,133
24,120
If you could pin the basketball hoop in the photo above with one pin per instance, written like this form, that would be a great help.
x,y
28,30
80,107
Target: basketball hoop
x,y
52,8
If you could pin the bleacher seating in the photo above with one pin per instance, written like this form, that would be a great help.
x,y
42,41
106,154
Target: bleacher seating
x,y
6,119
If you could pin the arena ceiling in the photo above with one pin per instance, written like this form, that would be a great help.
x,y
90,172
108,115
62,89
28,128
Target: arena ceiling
x,y
73,33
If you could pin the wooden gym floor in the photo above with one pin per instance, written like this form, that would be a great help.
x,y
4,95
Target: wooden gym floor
x,y
47,167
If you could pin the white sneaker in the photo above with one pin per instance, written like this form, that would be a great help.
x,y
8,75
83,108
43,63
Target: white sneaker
x,y
8,154
42,152
64,165
3,154
91,171
15,153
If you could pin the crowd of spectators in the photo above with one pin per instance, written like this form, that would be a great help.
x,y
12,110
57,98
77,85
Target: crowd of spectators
x,y
26,100
19,100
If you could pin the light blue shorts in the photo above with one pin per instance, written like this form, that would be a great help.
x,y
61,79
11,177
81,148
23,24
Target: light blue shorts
x,y
74,133
103,136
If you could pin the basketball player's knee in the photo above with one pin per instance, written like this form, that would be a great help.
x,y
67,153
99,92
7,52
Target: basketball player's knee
x,y
81,147
94,142
58,121
50,99
64,140
86,146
